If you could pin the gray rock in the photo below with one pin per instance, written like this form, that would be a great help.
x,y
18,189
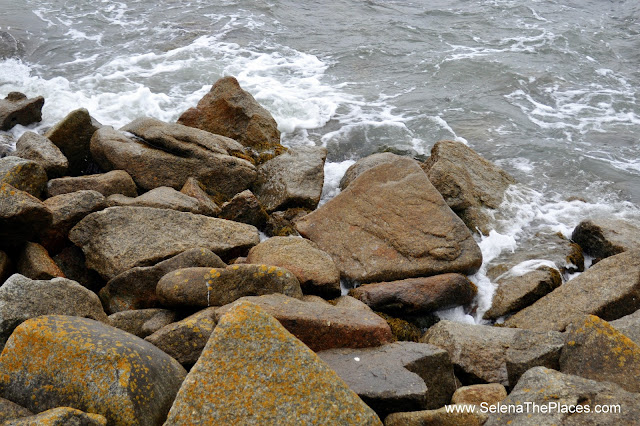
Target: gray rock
x,y
142,322
22,216
364,164
603,237
7,144
629,325
16,108
73,136
162,197
22,174
32,146
114,182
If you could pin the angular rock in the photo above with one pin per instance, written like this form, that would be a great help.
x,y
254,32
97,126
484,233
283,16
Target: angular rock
x,y
244,207
195,189
73,136
445,416
35,147
162,197
417,295
522,355
121,238
35,263
282,224
364,164
401,376
230,111
136,287
16,108
71,262
22,216
25,175
321,326
468,182
597,351
629,325
60,416
57,360
253,371
293,179
114,182
142,322
602,238
542,386
610,289
480,353
490,393
203,287
185,339
402,330
22,298
390,224
11,411
314,269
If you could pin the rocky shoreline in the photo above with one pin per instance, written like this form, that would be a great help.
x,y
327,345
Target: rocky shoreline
x,y
138,285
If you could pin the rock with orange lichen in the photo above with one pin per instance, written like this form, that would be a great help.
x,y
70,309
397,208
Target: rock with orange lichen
x,y
22,216
11,411
595,350
63,361
254,372
25,175
204,287
60,416
321,326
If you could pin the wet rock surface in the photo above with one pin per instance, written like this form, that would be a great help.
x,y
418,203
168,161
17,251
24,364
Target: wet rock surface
x,y
16,108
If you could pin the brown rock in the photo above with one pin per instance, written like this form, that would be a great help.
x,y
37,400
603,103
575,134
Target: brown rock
x,y
35,263
195,189
114,182
282,224
417,295
60,416
35,147
11,411
245,207
391,224
364,164
73,136
142,322
25,175
629,325
445,416
606,237
22,216
16,108
162,197
490,393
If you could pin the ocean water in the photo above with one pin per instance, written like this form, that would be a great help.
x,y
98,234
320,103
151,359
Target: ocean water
x,y
548,90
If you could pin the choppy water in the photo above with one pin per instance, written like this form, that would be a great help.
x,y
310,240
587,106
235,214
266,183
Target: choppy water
x,y
546,89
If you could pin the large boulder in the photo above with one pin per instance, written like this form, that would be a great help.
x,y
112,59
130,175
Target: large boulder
x,y
135,288
401,376
230,111
58,360
22,298
22,216
120,238
35,147
610,289
113,182
16,108
604,237
162,197
314,269
390,224
364,164
469,183
253,371
293,179
34,262
164,154
25,175
320,325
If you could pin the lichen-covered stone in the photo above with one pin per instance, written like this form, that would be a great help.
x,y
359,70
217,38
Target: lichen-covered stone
x,y
113,182
22,216
445,416
10,411
142,322
16,108
22,174
35,147
35,263
57,360
490,393
60,416
204,287
253,371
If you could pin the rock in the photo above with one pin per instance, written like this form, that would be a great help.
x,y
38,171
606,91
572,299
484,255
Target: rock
x,y
22,298
543,387
480,353
401,376
11,411
136,288
7,144
469,183
60,416
610,289
168,154
230,111
245,207
73,136
364,164
203,287
6,267
417,295
184,340
445,416
142,322
35,263
71,262
22,216
282,224
390,224
253,371
195,189
629,325
345,302
25,175
293,179
121,238
522,355
602,238
491,394
314,269
402,330
162,197
16,108
35,147
114,182
321,326
597,351
58,360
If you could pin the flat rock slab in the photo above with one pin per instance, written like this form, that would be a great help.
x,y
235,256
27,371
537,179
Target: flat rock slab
x,y
22,216
121,238
203,287
57,360
390,224
321,326
542,386
401,376
253,371
113,182
610,290
162,197
16,108
606,237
